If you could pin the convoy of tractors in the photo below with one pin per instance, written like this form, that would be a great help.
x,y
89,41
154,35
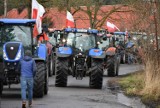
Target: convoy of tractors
x,y
70,51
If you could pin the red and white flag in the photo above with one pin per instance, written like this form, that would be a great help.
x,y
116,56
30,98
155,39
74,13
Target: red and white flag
x,y
69,20
37,13
111,27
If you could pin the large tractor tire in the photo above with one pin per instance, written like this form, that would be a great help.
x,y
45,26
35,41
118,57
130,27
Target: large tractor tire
x,y
50,66
126,58
39,80
61,72
123,59
1,87
46,81
96,75
54,62
112,68
117,67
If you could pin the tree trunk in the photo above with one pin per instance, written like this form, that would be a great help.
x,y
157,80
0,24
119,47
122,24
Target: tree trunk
x,y
5,8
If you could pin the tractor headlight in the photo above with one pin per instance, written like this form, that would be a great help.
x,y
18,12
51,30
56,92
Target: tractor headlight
x,y
98,43
63,40
18,55
5,55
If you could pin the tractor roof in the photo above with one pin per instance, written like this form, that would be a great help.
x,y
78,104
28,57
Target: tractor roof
x,y
119,33
77,30
17,21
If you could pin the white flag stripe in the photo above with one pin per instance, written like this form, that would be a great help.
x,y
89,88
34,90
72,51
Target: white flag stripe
x,y
69,16
117,28
40,11
110,25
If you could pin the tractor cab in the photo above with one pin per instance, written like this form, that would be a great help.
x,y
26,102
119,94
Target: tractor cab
x,y
81,40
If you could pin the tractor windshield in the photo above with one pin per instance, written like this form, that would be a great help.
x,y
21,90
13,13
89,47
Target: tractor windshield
x,y
15,33
120,40
81,41
104,43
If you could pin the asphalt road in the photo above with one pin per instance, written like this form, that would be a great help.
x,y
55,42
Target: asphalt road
x,y
76,95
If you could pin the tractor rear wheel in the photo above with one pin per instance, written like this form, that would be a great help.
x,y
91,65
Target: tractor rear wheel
x,y
112,68
53,61
123,59
61,72
39,80
1,88
46,81
96,75
50,65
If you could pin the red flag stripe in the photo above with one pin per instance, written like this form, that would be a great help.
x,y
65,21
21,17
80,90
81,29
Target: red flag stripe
x,y
34,14
70,23
37,13
69,20
111,27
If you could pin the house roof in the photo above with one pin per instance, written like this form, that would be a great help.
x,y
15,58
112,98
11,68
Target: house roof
x,y
15,14
122,19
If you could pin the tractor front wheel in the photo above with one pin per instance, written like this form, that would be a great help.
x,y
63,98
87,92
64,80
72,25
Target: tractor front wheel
x,y
61,72
96,75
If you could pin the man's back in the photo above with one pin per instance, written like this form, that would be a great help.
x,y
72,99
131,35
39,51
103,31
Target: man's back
x,y
27,67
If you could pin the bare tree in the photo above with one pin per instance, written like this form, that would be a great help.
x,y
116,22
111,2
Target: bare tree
x,y
148,14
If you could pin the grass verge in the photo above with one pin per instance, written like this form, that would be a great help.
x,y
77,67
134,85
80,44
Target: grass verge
x,y
134,84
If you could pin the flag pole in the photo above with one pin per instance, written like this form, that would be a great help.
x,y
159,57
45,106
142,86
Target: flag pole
x,y
29,9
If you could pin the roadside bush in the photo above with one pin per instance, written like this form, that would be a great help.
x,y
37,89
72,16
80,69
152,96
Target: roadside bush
x,y
152,74
133,84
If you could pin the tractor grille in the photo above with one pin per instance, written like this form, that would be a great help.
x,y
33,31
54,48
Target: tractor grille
x,y
12,49
80,60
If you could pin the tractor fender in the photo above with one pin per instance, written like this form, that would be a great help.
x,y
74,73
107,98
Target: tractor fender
x,y
39,60
63,51
111,51
97,53
42,51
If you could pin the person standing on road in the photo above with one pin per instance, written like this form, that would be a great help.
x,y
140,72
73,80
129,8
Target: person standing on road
x,y
28,70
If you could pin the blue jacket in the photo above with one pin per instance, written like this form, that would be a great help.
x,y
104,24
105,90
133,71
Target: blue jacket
x,y
27,67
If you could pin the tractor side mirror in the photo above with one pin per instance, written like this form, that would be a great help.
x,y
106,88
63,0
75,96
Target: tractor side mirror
x,y
50,34
55,34
104,38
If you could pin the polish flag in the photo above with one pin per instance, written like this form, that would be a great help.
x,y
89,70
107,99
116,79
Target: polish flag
x,y
111,27
37,13
69,20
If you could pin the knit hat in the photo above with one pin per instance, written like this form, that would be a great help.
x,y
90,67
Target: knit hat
x,y
28,53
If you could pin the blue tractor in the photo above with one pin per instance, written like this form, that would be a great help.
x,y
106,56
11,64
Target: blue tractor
x,y
77,54
15,38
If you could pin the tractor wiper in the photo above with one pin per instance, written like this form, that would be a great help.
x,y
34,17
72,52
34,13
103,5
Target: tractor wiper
x,y
21,28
